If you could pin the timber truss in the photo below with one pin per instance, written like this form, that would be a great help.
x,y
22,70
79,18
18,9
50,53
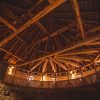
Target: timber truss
x,y
53,37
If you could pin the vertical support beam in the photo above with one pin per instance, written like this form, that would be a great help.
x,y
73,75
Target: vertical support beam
x,y
78,17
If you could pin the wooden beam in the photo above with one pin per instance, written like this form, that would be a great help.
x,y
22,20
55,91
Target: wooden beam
x,y
44,66
52,65
86,51
39,24
40,62
78,17
75,45
98,57
32,21
4,8
37,4
69,62
3,20
42,27
76,58
13,29
11,54
7,24
94,29
55,33
62,61
94,43
58,63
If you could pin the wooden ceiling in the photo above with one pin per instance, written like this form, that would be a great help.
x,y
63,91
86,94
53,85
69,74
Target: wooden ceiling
x,y
50,36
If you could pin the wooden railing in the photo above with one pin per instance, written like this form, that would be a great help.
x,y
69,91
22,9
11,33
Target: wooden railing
x,y
20,78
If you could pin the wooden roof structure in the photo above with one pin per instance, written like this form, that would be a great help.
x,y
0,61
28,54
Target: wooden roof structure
x,y
50,36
